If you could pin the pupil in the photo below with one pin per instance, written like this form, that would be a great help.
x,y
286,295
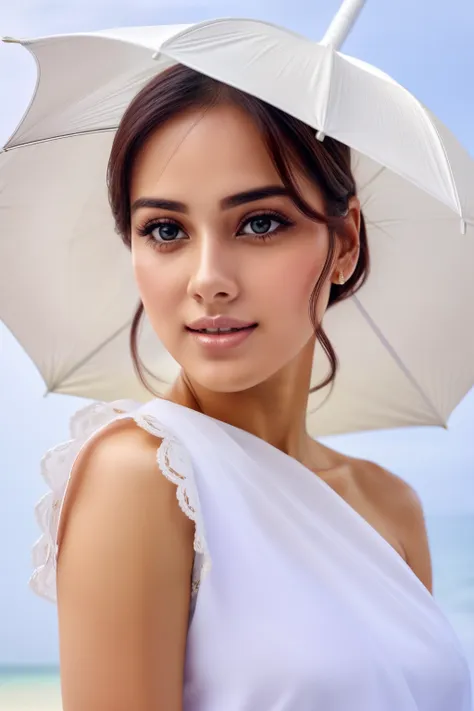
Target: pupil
x,y
168,232
261,224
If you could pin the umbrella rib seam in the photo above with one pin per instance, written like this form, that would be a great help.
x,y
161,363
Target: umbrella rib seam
x,y
403,367
50,139
54,386
88,357
328,89
446,159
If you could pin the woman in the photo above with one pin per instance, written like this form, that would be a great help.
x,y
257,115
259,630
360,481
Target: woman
x,y
298,578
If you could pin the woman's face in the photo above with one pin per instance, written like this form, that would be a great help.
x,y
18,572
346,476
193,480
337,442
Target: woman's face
x,y
215,237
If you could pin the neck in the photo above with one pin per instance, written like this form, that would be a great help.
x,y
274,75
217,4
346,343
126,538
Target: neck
x,y
274,410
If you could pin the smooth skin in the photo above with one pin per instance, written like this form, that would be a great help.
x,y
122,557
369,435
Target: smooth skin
x,y
126,554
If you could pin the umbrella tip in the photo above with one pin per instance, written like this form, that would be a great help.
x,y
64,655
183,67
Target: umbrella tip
x,y
320,136
463,227
10,40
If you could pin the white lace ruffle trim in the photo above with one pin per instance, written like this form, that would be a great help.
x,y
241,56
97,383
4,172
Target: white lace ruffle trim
x,y
173,461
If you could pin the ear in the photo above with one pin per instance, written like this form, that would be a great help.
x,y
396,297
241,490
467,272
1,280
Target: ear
x,y
349,244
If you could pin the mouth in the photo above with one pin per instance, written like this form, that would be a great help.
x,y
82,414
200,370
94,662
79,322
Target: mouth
x,y
219,331
221,340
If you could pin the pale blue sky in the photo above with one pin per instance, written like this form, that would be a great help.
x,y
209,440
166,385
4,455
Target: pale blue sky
x,y
428,46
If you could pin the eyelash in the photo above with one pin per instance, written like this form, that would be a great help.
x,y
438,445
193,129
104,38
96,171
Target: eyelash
x,y
147,228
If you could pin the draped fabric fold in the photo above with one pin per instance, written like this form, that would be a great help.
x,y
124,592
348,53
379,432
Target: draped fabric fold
x,y
305,607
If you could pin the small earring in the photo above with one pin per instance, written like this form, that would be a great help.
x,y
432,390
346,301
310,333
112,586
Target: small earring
x,y
342,280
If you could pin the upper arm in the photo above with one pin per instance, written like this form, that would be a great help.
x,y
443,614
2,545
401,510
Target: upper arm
x,y
415,537
402,508
123,579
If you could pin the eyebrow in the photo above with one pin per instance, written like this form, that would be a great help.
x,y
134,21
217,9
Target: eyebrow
x,y
226,203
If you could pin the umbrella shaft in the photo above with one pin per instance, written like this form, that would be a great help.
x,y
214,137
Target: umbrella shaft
x,y
342,23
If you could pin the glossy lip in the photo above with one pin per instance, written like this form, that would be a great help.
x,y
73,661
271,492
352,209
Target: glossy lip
x,y
217,342
218,322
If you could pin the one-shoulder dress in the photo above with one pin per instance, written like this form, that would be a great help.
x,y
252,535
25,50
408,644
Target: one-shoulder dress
x,y
297,603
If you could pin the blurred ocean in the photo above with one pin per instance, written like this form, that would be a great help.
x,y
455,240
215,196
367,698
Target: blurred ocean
x,y
452,547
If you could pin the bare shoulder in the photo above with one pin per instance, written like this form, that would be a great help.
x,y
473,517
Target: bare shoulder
x,y
399,506
120,460
392,492
123,578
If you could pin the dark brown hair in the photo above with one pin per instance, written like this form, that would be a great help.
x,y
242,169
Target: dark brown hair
x,y
289,142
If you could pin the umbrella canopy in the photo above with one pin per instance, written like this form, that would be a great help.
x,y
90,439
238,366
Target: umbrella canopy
x,y
406,341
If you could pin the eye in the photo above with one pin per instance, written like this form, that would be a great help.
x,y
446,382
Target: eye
x,y
166,232
264,225
162,232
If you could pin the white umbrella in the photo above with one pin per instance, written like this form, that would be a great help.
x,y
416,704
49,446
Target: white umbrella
x,y
405,343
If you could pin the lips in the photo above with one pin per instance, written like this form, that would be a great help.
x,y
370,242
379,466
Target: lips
x,y
220,325
216,341
219,331
220,334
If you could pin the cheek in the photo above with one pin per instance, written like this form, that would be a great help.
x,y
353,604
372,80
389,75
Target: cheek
x,y
158,284
290,282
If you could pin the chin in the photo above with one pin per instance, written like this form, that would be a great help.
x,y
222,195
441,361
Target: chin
x,y
226,378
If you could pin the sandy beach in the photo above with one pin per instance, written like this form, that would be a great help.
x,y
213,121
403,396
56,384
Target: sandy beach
x,y
42,695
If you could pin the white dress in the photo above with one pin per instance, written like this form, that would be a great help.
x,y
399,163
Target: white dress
x,y
298,604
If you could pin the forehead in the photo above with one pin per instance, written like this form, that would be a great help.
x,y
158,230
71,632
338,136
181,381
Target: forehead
x,y
218,150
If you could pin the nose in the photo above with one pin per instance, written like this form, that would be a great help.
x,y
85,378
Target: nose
x,y
213,276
